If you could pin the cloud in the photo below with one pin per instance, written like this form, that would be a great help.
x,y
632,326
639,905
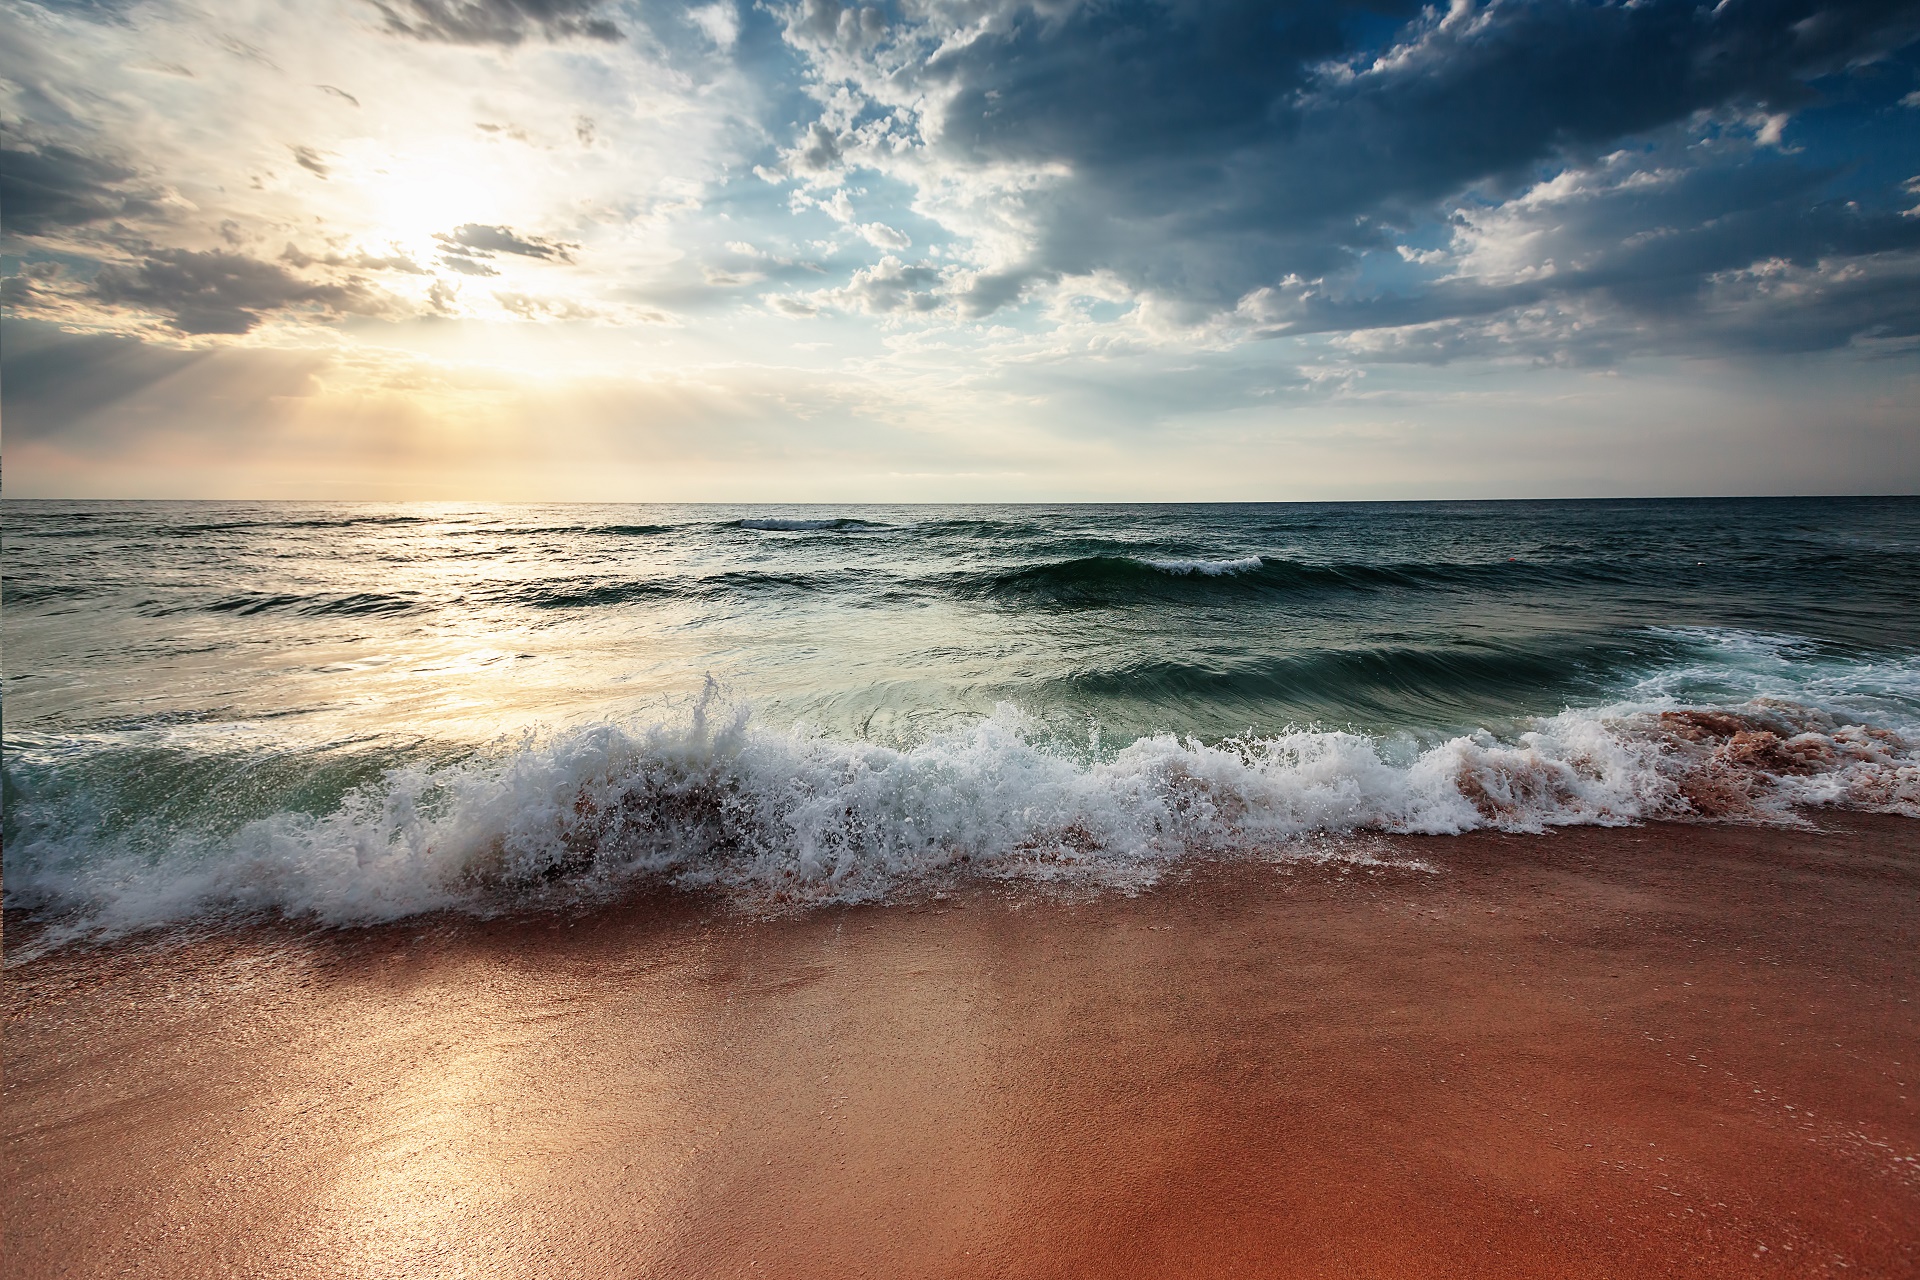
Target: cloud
x,y
100,394
52,380
529,307
891,285
309,159
361,261
96,10
532,307
848,27
219,292
467,266
796,308
1729,255
821,150
882,236
720,23
1202,152
501,22
477,240
49,188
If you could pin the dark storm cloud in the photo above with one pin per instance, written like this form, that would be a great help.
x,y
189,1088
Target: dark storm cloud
x,y
220,292
1221,120
504,22
48,188
1213,147
1116,89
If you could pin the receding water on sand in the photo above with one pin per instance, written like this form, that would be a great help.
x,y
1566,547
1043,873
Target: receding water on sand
x,y
1606,1052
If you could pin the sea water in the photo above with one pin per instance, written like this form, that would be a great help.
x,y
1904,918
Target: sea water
x,y
354,712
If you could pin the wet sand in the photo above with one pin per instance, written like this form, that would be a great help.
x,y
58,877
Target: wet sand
x,y
1655,1051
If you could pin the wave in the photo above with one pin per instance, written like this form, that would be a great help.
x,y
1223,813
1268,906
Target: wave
x,y
16,591
1109,578
770,819
593,593
781,524
604,530
1207,568
165,529
246,604
590,594
1384,683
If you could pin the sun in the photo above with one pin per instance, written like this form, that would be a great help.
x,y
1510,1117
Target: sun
x,y
407,197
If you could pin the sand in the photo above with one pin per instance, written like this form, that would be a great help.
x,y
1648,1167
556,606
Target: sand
x,y
1655,1051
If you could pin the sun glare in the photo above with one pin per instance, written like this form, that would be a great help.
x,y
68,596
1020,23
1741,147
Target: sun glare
x,y
412,196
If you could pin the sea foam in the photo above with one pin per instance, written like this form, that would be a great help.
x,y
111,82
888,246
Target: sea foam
x,y
1208,568
770,819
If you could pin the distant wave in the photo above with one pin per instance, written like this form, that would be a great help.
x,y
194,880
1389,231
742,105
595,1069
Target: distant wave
x,y
714,802
589,593
1108,578
999,532
586,593
781,524
583,592
606,530
335,522
357,603
88,525
16,591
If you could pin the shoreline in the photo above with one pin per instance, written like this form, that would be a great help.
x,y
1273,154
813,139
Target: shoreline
x,y
1662,1049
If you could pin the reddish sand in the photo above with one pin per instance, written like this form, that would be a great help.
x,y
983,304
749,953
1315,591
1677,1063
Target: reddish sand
x,y
1659,1051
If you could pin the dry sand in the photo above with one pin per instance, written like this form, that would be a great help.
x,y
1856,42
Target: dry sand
x,y
1656,1051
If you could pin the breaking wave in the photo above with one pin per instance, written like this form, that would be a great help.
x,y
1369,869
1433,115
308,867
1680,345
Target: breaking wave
x,y
1207,568
713,801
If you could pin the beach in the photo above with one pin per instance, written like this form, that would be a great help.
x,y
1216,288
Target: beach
x,y
1654,1050
966,638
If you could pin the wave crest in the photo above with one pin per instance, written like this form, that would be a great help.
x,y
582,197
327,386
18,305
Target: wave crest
x,y
1115,578
1206,568
765,818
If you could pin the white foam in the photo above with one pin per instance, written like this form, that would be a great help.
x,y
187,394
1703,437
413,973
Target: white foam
x,y
1210,568
768,817
1732,667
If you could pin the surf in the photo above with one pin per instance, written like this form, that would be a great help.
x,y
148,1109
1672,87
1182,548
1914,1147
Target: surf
x,y
715,802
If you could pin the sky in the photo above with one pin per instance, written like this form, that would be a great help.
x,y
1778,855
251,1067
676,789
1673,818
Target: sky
x,y
956,250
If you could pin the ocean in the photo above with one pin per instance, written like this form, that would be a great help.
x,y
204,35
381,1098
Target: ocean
x,y
352,713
